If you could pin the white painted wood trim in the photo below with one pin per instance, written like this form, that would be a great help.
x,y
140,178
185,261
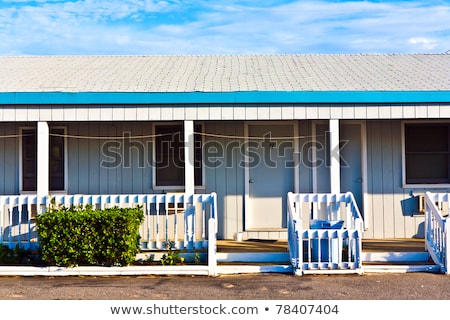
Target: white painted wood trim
x,y
335,166
296,161
189,167
42,158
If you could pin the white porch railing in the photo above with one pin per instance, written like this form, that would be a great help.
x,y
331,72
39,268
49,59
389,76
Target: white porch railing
x,y
178,218
324,233
437,241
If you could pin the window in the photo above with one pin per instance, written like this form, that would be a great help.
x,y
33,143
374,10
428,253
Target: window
x,y
169,149
427,153
29,160
56,159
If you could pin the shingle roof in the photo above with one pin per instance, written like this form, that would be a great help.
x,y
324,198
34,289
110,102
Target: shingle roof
x,y
225,73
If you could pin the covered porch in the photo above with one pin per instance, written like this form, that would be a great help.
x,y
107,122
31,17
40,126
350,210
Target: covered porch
x,y
195,231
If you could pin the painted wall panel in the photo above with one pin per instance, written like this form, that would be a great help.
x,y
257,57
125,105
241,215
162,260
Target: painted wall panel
x,y
387,181
9,112
389,203
21,114
110,165
9,159
70,113
203,112
433,111
360,112
58,113
275,112
251,112
322,163
409,112
375,183
215,112
227,112
239,112
348,112
444,111
263,112
299,112
324,112
82,113
155,113
190,113
287,112
232,111
305,171
336,112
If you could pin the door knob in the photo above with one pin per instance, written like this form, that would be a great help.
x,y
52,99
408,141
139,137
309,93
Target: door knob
x,y
251,181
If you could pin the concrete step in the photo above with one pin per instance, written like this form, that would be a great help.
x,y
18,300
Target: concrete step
x,y
253,257
399,268
388,257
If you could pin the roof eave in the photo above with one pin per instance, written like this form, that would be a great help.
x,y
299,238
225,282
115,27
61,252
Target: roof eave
x,y
126,98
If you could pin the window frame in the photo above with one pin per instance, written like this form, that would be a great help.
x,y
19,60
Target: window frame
x,y
429,185
21,155
176,188
22,131
66,162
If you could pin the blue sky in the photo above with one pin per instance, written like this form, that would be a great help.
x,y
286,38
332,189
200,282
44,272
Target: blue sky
x,y
148,27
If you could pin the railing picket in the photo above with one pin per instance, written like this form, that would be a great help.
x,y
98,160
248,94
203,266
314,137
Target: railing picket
x,y
436,229
159,227
330,207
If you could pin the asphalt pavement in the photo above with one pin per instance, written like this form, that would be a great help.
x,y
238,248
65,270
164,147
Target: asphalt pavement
x,y
409,286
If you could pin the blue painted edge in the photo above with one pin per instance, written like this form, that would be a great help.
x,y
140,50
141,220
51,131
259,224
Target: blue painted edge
x,y
69,98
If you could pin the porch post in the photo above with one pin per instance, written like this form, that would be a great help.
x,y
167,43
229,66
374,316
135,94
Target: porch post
x,y
189,179
42,159
335,165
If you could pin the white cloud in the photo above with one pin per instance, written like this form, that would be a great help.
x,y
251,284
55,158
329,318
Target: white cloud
x,y
423,43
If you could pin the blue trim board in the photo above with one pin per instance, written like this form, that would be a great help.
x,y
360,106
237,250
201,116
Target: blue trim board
x,y
83,98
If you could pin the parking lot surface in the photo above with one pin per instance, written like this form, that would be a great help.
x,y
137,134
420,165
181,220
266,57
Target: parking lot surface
x,y
419,286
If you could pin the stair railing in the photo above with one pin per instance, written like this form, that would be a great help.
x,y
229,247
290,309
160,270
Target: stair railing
x,y
437,240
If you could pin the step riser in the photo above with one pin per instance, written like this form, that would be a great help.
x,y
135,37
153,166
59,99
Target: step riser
x,y
277,257
395,257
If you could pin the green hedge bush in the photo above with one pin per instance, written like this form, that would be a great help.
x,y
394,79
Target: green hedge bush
x,y
84,236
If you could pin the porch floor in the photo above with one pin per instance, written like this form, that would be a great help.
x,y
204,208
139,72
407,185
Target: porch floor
x,y
368,245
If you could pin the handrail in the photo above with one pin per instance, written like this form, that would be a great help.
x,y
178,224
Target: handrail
x,y
294,239
437,241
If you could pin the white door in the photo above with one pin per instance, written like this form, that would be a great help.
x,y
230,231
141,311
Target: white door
x,y
270,175
351,162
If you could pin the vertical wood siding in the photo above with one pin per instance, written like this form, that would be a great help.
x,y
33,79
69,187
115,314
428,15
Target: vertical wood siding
x,y
387,197
86,173
227,178
9,159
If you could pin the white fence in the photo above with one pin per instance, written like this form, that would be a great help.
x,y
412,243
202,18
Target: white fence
x,y
324,233
169,218
437,240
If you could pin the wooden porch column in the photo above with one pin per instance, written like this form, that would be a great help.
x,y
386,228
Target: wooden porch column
x,y
42,159
335,165
189,179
